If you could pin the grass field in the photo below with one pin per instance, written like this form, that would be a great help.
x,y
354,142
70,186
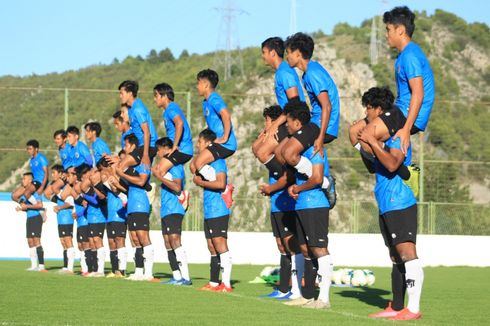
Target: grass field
x,y
451,296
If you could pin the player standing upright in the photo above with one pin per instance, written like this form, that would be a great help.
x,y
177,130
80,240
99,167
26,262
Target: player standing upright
x,y
99,146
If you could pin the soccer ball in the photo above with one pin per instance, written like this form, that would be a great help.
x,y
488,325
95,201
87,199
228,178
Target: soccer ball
x,y
347,276
369,277
337,277
358,278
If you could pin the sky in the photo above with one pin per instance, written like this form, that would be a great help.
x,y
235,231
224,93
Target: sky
x,y
40,37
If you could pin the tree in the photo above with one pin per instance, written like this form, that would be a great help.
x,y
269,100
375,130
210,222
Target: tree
x,y
152,57
166,55
184,54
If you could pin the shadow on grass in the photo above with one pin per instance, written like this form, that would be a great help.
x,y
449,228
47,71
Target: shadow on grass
x,y
371,296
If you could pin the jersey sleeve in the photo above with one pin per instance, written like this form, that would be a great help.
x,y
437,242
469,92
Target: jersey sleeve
x,y
220,166
85,153
318,83
394,144
139,115
217,104
171,114
287,79
412,66
44,161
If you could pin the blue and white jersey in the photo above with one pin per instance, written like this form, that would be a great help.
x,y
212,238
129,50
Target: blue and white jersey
x,y
185,143
316,80
80,154
137,198
169,201
63,216
95,213
81,215
390,191
65,156
38,163
284,79
214,204
315,197
34,212
138,115
123,135
280,200
100,148
211,109
116,212
412,63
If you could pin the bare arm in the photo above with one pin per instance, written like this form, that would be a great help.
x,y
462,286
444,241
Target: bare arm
x,y
179,130
226,118
219,184
146,146
326,110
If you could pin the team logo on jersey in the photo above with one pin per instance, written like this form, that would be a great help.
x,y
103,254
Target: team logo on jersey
x,y
77,155
206,112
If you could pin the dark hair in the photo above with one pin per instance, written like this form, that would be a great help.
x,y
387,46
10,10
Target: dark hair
x,y
130,86
61,132
118,116
164,142
378,97
165,89
29,174
298,110
210,75
34,143
58,167
207,134
82,169
102,163
276,44
132,139
401,16
121,152
302,42
273,112
94,126
72,130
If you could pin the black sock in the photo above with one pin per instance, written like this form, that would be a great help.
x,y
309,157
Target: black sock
x,y
114,260
309,275
88,260
285,273
40,255
214,269
275,168
398,286
172,259
95,263
139,261
65,259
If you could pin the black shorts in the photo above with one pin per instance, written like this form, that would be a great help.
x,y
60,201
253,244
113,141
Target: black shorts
x,y
219,151
394,120
282,132
37,185
312,227
283,224
96,230
34,226
329,138
137,154
65,230
139,221
116,230
172,224
216,227
307,135
178,158
82,234
399,226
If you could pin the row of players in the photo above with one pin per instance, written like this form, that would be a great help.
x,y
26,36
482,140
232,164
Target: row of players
x,y
290,152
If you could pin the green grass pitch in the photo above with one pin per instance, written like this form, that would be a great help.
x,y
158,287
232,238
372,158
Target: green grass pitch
x,y
451,296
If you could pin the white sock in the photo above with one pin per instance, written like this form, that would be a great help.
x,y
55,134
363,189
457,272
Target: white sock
x,y
297,269
168,176
33,255
208,172
182,260
304,166
123,258
325,268
325,183
32,200
138,271
83,262
123,197
415,279
70,201
41,266
226,265
148,255
100,260
70,252
176,275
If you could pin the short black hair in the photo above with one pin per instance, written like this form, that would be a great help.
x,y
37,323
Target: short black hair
x,y
298,110
121,152
378,97
72,130
118,115
34,143
61,132
58,167
29,174
210,75
94,126
82,169
165,89
401,16
132,139
164,142
273,112
302,42
102,163
208,135
276,44
130,86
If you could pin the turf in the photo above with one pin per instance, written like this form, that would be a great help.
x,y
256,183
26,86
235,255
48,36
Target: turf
x,y
452,296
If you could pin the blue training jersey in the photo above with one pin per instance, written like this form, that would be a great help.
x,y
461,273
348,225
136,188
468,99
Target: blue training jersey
x,y
284,79
137,199
38,163
214,205
315,197
316,80
34,212
211,109
390,191
65,156
280,200
95,213
80,154
115,210
63,216
81,215
412,63
138,115
185,143
99,148
169,201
